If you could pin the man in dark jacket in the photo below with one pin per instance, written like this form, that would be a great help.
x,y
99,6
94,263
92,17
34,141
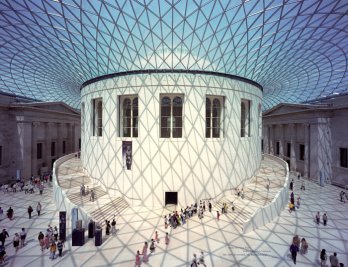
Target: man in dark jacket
x,y
3,236
294,250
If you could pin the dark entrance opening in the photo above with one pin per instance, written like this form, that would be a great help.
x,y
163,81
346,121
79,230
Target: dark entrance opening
x,y
171,198
288,162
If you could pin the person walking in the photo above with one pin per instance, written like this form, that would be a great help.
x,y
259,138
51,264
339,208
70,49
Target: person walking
x,y
152,246
91,198
3,235
156,237
30,210
294,250
218,215
317,217
291,186
209,206
194,260
323,257
10,213
166,239
23,235
60,246
38,209
55,233
53,249
145,257
41,240
333,260
298,202
137,259
113,226
1,213
304,246
16,240
324,219
201,259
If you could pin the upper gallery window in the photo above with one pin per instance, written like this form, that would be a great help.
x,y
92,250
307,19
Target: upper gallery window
x,y
97,109
129,116
171,116
213,116
245,118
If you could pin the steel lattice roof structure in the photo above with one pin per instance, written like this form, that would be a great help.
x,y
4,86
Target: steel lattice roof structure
x,y
297,50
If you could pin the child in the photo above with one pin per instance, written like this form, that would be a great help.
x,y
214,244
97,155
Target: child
x,y
53,250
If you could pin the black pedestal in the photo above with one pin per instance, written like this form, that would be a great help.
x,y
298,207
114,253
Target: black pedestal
x,y
91,226
78,237
98,237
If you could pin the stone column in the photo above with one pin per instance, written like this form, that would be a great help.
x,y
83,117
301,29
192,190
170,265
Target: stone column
x,y
69,142
307,148
281,141
59,140
271,140
292,128
34,127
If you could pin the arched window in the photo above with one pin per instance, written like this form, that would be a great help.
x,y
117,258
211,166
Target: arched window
x,y
97,117
171,116
245,118
213,116
129,116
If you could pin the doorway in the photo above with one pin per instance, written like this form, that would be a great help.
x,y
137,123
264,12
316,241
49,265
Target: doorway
x,y
171,198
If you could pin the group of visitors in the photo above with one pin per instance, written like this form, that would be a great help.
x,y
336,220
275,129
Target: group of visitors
x,y
84,191
110,226
38,209
200,260
298,245
50,241
324,218
143,256
334,262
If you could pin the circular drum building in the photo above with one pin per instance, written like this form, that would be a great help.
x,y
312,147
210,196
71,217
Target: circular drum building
x,y
170,137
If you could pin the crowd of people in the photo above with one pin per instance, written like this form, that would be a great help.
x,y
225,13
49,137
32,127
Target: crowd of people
x,y
50,241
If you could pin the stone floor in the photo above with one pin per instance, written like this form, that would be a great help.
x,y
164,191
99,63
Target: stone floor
x,y
222,241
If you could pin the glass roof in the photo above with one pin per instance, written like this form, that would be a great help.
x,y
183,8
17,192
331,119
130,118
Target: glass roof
x,y
297,50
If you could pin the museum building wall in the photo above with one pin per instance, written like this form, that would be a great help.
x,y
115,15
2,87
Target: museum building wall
x,y
154,137
33,135
311,137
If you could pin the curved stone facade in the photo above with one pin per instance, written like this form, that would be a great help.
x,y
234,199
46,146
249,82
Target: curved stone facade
x,y
191,165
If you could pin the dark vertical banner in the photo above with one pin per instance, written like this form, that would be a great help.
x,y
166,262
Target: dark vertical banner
x,y
127,155
62,225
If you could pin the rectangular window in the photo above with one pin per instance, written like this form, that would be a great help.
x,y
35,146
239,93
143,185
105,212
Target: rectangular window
x,y
288,150
302,151
214,106
245,118
343,157
128,120
171,111
63,147
53,149
0,155
39,150
277,148
97,121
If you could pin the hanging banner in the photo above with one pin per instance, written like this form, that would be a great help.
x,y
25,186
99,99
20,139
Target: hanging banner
x,y
127,155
